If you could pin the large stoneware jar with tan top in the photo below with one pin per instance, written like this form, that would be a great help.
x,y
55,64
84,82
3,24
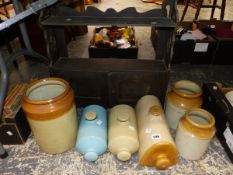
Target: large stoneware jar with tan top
x,y
122,133
157,147
194,133
50,110
184,95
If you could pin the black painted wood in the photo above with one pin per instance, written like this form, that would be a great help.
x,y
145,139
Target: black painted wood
x,y
65,16
109,82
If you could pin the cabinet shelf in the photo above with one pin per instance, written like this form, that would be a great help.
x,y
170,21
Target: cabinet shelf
x,y
112,81
64,16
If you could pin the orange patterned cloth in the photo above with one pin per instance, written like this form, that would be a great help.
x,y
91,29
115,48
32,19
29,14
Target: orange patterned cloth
x,y
13,100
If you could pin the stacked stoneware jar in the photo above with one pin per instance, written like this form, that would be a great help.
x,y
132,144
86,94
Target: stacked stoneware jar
x,y
123,130
195,130
184,95
194,126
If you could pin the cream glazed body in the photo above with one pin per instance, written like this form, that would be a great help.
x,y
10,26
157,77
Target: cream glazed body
x,y
183,96
51,112
122,133
157,147
195,131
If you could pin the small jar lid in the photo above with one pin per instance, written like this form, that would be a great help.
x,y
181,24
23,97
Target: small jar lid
x,y
91,156
90,115
155,110
124,117
124,155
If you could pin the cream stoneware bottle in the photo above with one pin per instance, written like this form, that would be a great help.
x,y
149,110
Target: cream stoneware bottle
x,y
194,133
122,132
184,95
157,147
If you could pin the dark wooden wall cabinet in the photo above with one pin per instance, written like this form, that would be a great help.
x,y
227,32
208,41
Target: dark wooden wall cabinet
x,y
112,81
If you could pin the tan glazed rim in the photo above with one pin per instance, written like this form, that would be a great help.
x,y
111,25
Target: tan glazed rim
x,y
189,83
202,131
50,108
30,88
206,114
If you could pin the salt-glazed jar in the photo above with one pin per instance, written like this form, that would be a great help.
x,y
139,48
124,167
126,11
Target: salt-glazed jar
x,y
122,132
92,134
194,133
184,95
157,147
50,110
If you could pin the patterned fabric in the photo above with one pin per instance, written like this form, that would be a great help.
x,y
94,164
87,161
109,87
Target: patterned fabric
x,y
28,159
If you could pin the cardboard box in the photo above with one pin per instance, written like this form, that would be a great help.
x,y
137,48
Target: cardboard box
x,y
223,34
129,53
216,103
14,128
190,51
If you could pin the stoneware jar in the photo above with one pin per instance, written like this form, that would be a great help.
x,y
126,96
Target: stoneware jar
x,y
157,147
194,133
184,95
92,134
122,132
50,110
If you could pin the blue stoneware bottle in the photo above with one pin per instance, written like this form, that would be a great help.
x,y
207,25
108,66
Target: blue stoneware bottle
x,y
92,134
